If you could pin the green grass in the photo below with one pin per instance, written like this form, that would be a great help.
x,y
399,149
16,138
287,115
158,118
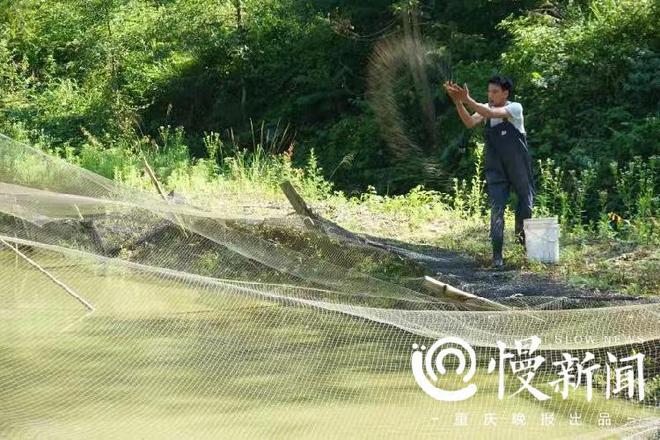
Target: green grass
x,y
588,259
611,253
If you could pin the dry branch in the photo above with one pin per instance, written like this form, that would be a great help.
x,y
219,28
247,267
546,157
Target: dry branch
x,y
66,288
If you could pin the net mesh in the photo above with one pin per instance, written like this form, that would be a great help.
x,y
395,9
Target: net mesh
x,y
126,314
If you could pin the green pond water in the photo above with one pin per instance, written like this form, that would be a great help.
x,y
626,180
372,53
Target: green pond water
x,y
160,358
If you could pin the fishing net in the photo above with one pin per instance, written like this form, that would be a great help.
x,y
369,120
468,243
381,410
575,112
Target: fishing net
x,y
125,314
403,72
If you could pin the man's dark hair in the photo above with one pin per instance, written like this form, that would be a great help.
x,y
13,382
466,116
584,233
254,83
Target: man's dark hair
x,y
502,81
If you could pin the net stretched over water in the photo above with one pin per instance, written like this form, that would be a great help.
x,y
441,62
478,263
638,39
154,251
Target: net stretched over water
x,y
127,315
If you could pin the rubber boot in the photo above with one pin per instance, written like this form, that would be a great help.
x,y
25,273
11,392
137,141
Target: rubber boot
x,y
497,234
498,260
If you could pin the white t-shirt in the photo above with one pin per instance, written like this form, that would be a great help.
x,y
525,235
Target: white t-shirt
x,y
516,111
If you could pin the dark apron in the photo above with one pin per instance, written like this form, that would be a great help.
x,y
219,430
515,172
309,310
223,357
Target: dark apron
x,y
507,164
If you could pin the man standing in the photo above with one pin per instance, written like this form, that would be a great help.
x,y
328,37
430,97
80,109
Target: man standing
x,y
507,160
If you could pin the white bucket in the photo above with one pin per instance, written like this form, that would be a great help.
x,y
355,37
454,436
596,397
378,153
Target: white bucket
x,y
542,239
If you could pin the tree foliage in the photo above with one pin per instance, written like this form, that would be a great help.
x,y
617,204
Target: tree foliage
x,y
585,71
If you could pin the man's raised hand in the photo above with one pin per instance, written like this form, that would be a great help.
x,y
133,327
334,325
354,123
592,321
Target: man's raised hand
x,y
452,90
463,93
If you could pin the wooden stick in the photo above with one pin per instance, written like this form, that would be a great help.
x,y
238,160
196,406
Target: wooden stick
x,y
153,178
333,229
296,200
458,296
160,190
51,277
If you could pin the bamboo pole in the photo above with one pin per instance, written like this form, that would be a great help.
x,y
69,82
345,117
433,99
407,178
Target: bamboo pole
x,y
458,296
